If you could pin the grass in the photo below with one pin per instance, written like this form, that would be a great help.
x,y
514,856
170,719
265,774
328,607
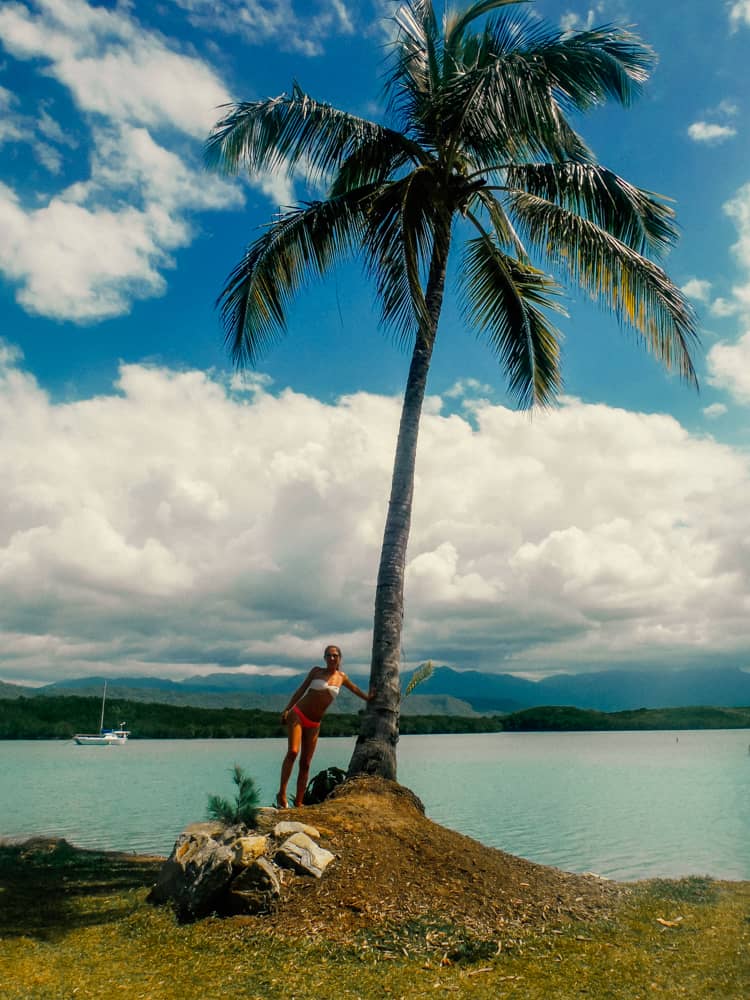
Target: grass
x,y
76,925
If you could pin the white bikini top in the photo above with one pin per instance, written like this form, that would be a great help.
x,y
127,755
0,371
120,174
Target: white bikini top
x,y
318,684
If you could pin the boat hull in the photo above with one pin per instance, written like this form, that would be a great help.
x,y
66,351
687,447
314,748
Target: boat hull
x,y
114,739
105,737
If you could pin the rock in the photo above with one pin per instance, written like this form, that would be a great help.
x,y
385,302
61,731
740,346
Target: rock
x,y
219,869
247,849
256,889
303,855
265,817
194,876
211,828
229,834
286,828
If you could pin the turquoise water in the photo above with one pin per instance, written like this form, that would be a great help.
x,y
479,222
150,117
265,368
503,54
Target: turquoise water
x,y
624,805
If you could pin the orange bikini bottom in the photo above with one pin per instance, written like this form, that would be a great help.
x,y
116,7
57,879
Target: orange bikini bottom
x,y
303,719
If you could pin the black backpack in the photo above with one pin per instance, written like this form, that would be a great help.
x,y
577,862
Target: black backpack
x,y
322,785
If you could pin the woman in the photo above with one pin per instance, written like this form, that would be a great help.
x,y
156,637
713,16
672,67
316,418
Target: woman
x,y
303,715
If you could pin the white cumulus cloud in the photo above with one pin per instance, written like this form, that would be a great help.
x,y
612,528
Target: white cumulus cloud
x,y
710,132
727,361
698,289
93,246
259,22
715,410
597,13
468,387
739,13
729,367
176,525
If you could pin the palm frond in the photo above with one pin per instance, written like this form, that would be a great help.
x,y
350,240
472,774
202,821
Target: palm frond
x,y
582,68
504,298
508,95
505,233
375,161
507,113
412,83
641,219
457,23
277,133
301,243
499,102
591,67
398,243
417,45
423,673
637,290
411,68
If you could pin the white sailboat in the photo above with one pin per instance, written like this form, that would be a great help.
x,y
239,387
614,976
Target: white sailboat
x,y
105,737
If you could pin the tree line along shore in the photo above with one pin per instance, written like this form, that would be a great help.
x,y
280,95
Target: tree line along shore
x,y
60,717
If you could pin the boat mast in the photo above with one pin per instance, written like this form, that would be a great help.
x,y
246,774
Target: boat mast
x,y
104,698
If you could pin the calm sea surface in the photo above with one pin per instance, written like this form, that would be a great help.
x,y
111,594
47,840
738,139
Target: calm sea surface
x,y
625,805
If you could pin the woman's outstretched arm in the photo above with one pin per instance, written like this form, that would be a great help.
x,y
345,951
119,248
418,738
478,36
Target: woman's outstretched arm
x,y
351,686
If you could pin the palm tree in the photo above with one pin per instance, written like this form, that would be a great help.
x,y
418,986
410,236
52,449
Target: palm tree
x,y
481,148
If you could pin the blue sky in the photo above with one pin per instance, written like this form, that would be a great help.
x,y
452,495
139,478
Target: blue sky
x,y
160,516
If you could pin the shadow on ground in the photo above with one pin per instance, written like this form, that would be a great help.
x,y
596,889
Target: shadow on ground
x,y
43,883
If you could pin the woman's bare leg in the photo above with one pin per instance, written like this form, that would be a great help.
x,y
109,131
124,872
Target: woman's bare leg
x,y
294,737
309,742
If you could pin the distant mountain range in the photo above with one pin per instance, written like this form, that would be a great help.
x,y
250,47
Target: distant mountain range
x,y
605,691
447,692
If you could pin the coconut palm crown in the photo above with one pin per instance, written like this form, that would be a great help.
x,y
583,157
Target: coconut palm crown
x,y
479,154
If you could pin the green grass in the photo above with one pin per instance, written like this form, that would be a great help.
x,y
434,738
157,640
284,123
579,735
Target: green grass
x,y
76,925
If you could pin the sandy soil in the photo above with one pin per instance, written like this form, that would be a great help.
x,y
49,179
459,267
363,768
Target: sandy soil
x,y
395,866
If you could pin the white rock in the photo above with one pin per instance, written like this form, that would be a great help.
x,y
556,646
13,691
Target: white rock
x,y
303,855
286,828
247,849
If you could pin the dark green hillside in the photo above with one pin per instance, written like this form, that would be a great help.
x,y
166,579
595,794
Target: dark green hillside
x,y
415,725
556,718
61,716
12,690
691,717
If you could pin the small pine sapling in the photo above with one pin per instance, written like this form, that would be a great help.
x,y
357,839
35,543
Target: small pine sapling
x,y
243,809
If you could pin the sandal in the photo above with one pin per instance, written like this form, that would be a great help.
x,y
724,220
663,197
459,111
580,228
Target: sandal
x,y
278,803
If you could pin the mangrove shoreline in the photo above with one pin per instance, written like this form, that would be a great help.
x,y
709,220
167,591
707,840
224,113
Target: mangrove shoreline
x,y
60,717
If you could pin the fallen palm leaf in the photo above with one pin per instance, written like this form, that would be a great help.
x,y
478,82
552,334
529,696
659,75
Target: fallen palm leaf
x,y
421,674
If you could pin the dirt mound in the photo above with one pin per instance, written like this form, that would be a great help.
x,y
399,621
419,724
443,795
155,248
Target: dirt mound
x,y
396,868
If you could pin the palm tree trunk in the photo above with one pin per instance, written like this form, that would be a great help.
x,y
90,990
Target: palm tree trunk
x,y
375,750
